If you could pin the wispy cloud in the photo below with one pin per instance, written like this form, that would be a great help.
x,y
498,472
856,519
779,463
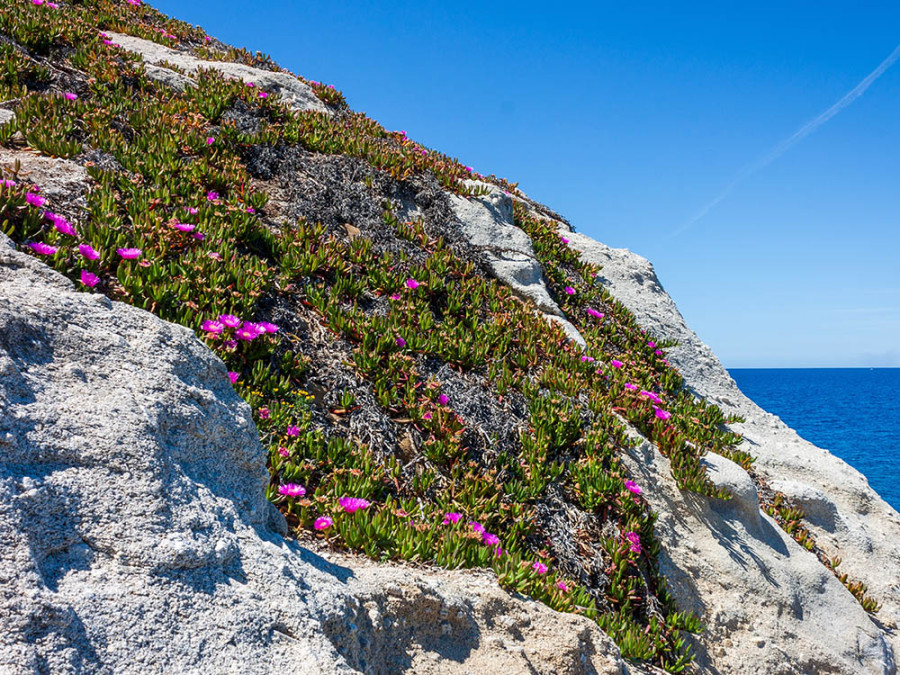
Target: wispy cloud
x,y
793,139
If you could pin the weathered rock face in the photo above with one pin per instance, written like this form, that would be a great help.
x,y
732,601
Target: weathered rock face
x,y
133,523
754,585
297,94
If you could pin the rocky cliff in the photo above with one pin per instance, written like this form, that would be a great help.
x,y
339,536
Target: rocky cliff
x,y
282,389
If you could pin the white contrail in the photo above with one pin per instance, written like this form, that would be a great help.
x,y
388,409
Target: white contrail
x,y
795,138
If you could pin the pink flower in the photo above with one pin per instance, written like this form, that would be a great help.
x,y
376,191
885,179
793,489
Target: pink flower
x,y
249,84
426,416
476,526
230,320
60,224
498,552
230,344
134,2
283,451
630,387
615,363
661,414
129,253
490,539
234,377
631,486
587,359
37,2
35,199
395,296
210,140
88,252
214,327
253,328
183,227
658,352
412,284
8,183
323,523
563,239
88,279
651,344
469,169
250,209
41,248
263,94
214,255
653,397
569,290
293,431
635,540
452,518
561,585
70,96
264,413
291,490
443,399
267,327
212,196
193,211
539,567
353,504
594,313
400,341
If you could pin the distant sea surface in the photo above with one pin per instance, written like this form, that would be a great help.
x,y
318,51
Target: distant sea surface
x,y
851,412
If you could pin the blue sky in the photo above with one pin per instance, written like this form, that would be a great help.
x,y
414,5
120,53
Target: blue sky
x,y
629,118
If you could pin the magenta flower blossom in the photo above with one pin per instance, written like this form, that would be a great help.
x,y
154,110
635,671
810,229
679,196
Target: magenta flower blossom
x,y
293,431
569,290
291,490
199,236
129,253
615,363
426,416
631,387
88,279
443,399
563,239
230,344
249,84
651,344
631,486
210,140
60,224
452,518
469,169
594,313
395,296
263,94
245,335
184,227
35,199
41,248
635,540
490,539
254,328
212,196
134,2
412,284
283,451
561,585
476,526
230,320
250,209
653,397
658,352
400,341
234,377
323,523
88,252
214,255
70,96
498,552
587,359
353,504
193,211
214,327
539,567
264,413
267,327
8,183
661,414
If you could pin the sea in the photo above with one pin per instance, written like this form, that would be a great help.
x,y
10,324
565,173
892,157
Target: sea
x,y
851,412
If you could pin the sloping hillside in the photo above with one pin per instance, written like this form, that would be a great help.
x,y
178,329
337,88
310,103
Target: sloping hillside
x,y
437,371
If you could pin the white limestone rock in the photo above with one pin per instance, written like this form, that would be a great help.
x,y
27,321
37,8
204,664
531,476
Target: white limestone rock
x,y
296,93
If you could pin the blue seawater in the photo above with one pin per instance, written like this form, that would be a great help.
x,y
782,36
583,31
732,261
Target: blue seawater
x,y
851,412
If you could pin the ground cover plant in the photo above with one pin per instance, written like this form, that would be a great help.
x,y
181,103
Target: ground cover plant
x,y
412,407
